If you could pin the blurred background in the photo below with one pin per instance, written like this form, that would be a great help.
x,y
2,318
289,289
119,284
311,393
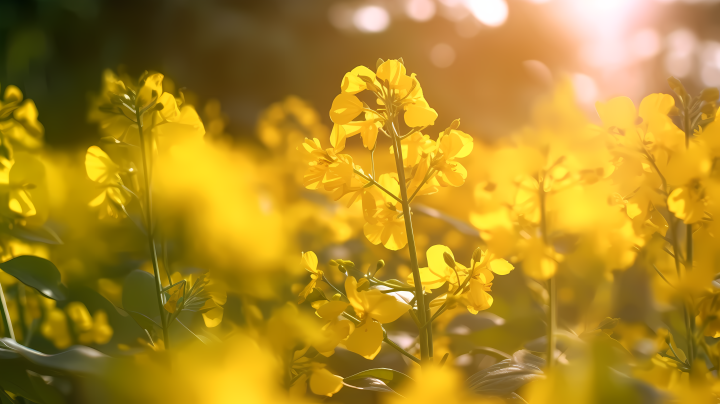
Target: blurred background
x,y
482,60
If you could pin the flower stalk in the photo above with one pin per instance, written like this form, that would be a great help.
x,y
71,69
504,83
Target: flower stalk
x,y
7,322
146,155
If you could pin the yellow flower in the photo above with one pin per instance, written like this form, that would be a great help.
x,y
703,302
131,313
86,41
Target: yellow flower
x,y
28,195
102,170
688,202
453,144
18,122
309,262
213,294
55,328
415,147
419,114
345,108
353,84
340,178
122,107
475,294
540,261
322,382
332,334
438,271
373,308
709,315
384,222
368,130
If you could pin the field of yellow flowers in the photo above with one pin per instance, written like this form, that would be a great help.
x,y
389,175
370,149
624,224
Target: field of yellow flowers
x,y
390,258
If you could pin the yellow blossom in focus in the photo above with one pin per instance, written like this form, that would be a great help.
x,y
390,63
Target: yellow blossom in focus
x,y
373,308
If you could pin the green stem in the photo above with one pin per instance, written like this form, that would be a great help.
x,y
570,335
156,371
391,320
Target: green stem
x,y
377,185
150,229
429,175
21,302
399,349
552,302
421,312
7,322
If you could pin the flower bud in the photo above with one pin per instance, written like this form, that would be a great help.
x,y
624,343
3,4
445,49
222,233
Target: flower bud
x,y
449,260
477,255
679,89
709,94
380,264
455,124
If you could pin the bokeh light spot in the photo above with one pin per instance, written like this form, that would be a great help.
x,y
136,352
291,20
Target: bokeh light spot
x,y
420,10
371,19
492,13
645,43
586,91
442,55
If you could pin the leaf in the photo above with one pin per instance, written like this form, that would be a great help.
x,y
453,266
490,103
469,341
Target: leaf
x,y
77,359
48,394
140,301
37,273
5,398
43,234
467,323
505,377
139,294
371,384
390,377
144,321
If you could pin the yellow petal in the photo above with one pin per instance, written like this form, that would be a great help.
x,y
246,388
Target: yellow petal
x,y
393,71
436,261
332,334
299,388
20,203
324,383
13,94
345,108
500,266
176,292
478,299
419,115
352,83
329,310
213,317
100,168
309,261
381,307
686,204
366,340
618,112
151,89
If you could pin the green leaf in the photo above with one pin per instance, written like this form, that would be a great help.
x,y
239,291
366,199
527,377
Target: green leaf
x,y
507,376
43,234
37,273
48,394
140,301
390,377
5,398
139,294
77,359
371,384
